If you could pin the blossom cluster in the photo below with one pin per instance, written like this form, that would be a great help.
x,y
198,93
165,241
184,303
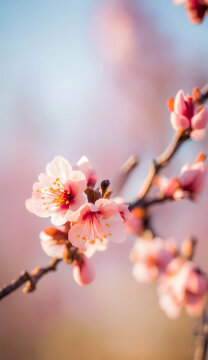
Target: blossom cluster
x,y
181,284
85,218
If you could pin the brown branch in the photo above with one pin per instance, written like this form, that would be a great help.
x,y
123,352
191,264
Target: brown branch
x,y
31,279
201,348
125,171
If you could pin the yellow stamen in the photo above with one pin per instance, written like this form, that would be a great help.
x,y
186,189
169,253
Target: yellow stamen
x,y
78,235
109,234
107,225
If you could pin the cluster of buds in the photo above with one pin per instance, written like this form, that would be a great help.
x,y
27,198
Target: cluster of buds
x,y
186,115
196,9
180,283
85,218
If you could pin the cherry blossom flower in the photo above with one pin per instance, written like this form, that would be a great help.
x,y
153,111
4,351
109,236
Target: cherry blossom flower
x,y
196,9
58,192
183,286
83,271
191,182
193,177
90,173
94,223
184,114
151,257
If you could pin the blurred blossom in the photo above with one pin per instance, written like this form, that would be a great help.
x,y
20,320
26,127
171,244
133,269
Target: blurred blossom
x,y
191,182
135,222
196,9
151,258
183,285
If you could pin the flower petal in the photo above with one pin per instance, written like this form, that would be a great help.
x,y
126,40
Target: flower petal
x,y
114,229
77,236
179,122
59,167
199,120
179,103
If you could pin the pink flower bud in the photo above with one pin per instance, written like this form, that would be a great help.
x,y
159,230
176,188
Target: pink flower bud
x,y
185,115
83,271
193,177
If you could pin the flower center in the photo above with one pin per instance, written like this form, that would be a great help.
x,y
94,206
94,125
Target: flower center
x,y
56,195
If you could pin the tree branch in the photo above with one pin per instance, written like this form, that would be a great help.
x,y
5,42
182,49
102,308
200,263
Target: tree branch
x,y
31,279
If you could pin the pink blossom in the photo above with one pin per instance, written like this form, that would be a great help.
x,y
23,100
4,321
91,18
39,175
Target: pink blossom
x,y
196,9
54,242
185,115
58,192
94,223
83,271
183,285
193,178
191,182
134,223
90,173
168,187
151,257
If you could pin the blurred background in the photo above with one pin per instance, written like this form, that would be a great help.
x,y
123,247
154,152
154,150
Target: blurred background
x,y
92,77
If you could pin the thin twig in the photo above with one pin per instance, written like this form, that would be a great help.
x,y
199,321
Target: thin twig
x,y
31,279
125,171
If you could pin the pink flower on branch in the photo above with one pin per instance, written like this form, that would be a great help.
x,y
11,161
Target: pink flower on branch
x,y
196,9
193,178
151,258
58,192
191,182
185,115
95,223
183,286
